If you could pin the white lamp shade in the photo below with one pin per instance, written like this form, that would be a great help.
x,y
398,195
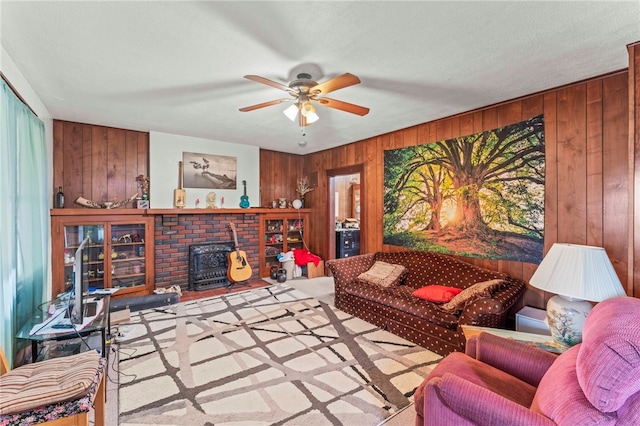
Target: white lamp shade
x,y
579,272
312,117
291,112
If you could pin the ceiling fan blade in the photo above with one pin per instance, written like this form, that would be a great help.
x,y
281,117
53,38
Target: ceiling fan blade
x,y
336,83
343,106
264,104
268,82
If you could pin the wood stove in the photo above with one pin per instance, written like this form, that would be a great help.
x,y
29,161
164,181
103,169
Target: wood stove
x,y
208,265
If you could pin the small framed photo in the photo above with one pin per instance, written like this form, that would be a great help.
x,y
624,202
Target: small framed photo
x,y
142,204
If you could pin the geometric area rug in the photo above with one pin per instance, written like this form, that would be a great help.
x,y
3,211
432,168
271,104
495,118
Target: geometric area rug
x,y
267,356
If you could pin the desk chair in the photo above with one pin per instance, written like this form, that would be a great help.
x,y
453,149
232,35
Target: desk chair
x,y
57,392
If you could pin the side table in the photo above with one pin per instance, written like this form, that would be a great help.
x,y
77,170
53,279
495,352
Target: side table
x,y
100,323
532,320
538,340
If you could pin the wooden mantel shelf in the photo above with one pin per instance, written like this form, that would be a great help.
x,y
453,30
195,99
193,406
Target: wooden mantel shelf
x,y
95,212
251,210
150,212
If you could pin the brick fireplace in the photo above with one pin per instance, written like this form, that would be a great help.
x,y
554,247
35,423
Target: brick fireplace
x,y
174,233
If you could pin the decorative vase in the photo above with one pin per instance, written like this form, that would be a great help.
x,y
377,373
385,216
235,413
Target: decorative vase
x,y
566,317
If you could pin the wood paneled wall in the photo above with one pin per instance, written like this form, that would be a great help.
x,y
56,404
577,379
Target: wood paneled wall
x,y
592,132
279,175
96,162
586,200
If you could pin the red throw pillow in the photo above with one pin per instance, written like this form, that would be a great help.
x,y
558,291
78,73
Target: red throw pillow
x,y
437,293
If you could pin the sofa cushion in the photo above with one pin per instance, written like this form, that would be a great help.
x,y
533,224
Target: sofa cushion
x,y
436,293
384,274
473,293
401,299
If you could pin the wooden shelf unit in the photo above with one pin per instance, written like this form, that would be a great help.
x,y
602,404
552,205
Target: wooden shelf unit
x,y
281,232
120,252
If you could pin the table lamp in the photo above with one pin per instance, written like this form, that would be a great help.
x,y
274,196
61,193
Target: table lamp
x,y
577,274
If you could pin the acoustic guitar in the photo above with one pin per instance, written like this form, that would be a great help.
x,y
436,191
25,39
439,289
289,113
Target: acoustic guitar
x,y
239,269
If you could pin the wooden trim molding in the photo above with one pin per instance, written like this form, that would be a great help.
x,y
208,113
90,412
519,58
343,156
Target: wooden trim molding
x,y
169,212
633,270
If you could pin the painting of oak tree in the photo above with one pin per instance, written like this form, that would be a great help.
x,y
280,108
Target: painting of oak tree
x,y
480,195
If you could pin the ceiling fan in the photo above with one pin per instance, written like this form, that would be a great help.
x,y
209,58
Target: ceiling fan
x,y
305,91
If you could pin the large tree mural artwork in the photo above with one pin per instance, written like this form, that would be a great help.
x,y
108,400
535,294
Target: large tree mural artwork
x,y
480,195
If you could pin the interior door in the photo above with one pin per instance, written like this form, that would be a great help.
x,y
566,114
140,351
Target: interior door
x,y
340,198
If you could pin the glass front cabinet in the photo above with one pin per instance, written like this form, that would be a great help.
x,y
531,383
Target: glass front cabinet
x,y
281,232
118,254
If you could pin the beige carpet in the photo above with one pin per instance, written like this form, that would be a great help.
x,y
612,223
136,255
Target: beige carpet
x,y
270,356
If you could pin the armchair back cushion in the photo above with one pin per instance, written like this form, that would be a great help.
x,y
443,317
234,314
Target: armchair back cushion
x,y
596,381
560,397
608,365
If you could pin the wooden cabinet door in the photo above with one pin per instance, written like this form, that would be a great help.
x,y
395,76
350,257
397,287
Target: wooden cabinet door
x,y
119,252
280,232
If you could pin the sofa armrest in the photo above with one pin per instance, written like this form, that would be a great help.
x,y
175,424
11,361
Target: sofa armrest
x,y
347,269
520,360
451,396
484,312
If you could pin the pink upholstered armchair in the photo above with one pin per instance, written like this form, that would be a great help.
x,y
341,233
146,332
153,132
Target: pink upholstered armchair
x,y
502,382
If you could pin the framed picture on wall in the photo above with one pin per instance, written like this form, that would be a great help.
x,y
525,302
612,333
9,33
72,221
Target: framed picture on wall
x,y
209,171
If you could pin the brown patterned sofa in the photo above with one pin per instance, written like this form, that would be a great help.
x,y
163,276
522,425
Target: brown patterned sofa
x,y
394,308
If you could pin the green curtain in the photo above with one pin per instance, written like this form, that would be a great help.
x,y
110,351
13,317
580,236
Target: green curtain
x,y
23,216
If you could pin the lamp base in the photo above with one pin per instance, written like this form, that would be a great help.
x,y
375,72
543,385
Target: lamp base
x,y
566,318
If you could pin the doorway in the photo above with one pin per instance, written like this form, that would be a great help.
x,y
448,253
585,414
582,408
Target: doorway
x,y
346,212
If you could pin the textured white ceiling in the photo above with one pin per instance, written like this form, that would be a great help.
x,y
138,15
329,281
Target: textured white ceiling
x,y
177,66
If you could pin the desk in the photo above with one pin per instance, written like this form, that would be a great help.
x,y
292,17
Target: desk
x,y
538,340
99,324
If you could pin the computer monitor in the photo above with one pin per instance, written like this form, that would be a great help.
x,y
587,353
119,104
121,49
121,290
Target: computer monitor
x,y
78,277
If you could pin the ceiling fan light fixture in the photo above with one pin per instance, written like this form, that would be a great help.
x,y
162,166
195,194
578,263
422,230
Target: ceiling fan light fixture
x,y
304,90
291,112
307,109
312,117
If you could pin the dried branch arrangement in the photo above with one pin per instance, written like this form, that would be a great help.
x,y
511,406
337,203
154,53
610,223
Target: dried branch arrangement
x,y
304,186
